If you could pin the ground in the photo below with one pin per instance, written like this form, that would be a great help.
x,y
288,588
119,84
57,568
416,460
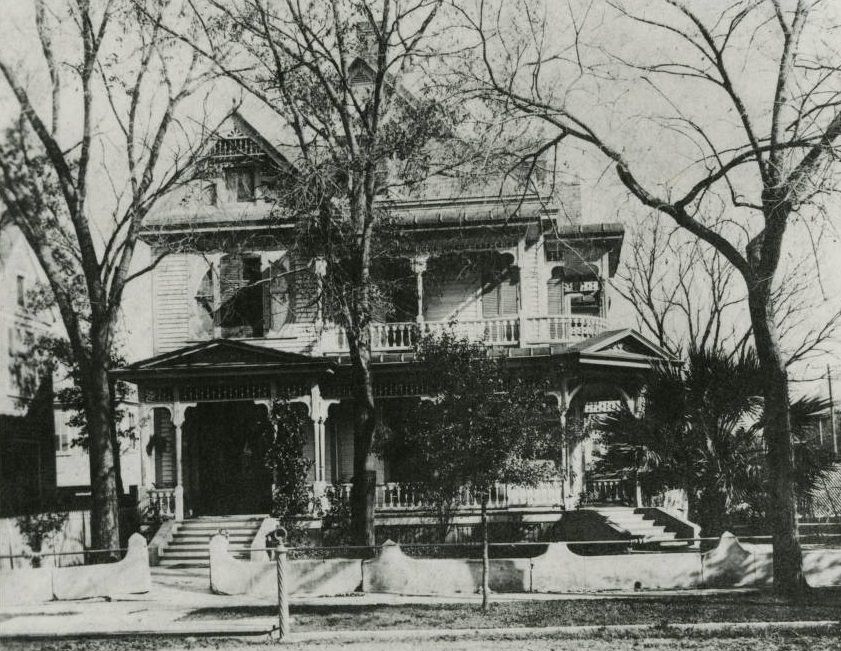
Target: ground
x,y
184,613
774,642
649,609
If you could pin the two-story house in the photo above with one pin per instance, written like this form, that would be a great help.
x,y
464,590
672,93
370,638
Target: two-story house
x,y
238,322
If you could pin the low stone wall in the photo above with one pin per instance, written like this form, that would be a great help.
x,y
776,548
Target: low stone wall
x,y
394,571
231,576
128,576
730,564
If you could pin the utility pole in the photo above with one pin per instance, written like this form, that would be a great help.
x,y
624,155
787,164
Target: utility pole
x,y
832,427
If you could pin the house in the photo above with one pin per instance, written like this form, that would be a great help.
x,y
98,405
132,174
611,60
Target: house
x,y
27,459
40,467
238,322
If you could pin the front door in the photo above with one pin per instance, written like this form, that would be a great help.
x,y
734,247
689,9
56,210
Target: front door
x,y
229,475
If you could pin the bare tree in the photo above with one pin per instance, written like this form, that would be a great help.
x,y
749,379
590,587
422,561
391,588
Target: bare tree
x,y
686,296
753,87
348,83
79,193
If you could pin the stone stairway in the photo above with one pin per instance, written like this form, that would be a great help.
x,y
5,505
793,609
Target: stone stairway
x,y
627,519
189,544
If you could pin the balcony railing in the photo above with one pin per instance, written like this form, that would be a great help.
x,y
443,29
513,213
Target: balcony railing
x,y
406,497
401,336
562,328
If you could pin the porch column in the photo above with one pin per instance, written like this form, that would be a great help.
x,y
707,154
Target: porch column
x,y
604,285
215,260
320,268
145,421
524,270
179,410
419,264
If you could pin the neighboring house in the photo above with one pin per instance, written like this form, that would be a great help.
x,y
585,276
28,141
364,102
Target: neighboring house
x,y
39,465
27,460
238,322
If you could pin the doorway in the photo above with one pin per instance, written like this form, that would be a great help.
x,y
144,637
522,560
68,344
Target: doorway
x,y
226,451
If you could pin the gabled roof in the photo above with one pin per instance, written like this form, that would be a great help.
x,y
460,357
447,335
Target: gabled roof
x,y
626,346
220,357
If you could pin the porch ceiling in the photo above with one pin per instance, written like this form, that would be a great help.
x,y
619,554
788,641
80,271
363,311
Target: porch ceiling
x,y
222,358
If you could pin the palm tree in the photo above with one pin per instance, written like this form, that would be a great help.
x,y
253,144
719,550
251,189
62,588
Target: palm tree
x,y
701,430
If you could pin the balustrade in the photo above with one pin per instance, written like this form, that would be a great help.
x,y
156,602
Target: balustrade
x,y
563,327
400,336
609,490
161,503
408,497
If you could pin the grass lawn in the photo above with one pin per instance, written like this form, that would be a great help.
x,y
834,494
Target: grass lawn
x,y
648,609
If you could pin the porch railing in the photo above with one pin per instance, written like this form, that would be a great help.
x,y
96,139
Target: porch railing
x,y
406,497
403,335
609,490
400,336
161,503
563,327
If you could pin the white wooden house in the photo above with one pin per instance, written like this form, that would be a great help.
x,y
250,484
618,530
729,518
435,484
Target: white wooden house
x,y
233,329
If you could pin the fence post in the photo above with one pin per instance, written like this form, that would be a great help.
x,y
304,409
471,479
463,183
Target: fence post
x,y
282,587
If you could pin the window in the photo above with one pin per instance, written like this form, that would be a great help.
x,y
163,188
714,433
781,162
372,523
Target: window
x,y
209,194
21,291
241,312
499,297
240,183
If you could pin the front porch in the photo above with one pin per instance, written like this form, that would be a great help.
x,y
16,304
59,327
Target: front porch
x,y
201,408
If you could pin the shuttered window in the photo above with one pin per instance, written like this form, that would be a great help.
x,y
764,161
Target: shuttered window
x,y
555,292
500,295
241,312
164,449
277,300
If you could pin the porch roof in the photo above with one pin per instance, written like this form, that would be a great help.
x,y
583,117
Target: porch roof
x,y
221,358
624,348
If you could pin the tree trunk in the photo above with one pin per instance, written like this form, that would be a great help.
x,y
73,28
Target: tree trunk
x,y
105,525
788,567
362,506
485,555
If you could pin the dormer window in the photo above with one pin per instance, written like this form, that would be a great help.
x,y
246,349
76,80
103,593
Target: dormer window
x,y
240,183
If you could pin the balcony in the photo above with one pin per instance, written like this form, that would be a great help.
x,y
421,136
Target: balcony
x,y
402,336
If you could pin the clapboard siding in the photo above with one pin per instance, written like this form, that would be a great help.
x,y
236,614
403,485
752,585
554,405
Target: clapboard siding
x,y
171,307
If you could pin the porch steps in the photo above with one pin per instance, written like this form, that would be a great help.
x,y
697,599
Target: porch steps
x,y
189,545
625,518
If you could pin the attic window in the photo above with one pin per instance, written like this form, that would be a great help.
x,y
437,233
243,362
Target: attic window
x,y
240,183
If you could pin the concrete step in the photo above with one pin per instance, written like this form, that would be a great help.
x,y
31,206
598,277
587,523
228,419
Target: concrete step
x,y
189,544
196,540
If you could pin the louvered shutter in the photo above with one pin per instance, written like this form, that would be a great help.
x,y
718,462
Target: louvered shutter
x,y
230,284
276,296
508,293
490,296
164,450
555,292
304,291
